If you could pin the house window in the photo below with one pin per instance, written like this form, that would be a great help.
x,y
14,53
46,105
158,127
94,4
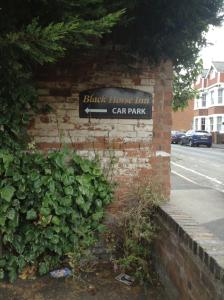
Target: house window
x,y
202,123
196,103
211,120
203,103
212,73
220,96
196,124
212,97
219,123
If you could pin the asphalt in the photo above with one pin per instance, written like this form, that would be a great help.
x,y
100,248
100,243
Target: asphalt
x,y
197,182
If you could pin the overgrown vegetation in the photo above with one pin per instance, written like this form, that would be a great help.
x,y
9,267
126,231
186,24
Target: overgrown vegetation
x,y
131,241
49,209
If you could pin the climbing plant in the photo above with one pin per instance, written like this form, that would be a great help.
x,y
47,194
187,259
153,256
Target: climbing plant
x,y
48,209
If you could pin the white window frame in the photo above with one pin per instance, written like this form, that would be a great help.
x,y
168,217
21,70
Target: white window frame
x,y
219,124
196,123
211,124
212,99
220,95
203,123
204,100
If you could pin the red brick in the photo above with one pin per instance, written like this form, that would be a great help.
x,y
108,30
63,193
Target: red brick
x,y
44,119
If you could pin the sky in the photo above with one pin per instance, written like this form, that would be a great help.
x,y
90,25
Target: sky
x,y
214,52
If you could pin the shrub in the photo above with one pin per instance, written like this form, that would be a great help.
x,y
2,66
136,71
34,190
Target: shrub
x,y
132,240
48,208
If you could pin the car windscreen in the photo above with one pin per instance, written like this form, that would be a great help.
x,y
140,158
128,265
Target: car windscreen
x,y
201,132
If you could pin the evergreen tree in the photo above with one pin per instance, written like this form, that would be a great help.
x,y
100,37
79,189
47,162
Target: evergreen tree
x,y
38,32
35,33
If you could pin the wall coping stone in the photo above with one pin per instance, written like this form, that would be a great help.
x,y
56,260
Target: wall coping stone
x,y
203,244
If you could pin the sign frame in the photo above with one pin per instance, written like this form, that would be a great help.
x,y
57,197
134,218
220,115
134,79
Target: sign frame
x,y
115,103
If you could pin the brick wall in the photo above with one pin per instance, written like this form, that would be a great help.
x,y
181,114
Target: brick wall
x,y
139,147
182,120
212,81
189,259
201,112
216,110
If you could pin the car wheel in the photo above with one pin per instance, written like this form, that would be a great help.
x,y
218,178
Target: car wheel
x,y
191,143
209,145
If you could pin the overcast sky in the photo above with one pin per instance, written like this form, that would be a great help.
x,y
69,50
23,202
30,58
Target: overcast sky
x,y
214,52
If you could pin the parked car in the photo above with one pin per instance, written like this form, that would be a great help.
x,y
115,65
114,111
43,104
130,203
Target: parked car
x,y
176,136
196,138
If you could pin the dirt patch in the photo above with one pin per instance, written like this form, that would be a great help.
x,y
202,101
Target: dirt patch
x,y
98,285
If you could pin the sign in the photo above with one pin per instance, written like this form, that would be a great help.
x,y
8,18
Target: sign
x,y
111,103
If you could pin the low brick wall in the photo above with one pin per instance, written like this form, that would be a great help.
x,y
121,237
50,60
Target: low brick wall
x,y
189,259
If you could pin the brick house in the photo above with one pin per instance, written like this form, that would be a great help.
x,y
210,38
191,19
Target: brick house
x,y
209,106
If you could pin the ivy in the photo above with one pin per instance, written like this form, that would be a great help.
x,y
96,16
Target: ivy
x,y
48,208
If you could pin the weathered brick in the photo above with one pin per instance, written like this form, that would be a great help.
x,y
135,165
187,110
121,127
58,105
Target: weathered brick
x,y
130,141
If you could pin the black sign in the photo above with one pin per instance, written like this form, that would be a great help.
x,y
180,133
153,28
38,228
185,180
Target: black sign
x,y
110,103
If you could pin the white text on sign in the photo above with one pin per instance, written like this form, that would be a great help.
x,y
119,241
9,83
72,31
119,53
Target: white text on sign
x,y
128,111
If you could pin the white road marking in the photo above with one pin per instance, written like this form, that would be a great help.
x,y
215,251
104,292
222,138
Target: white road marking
x,y
198,173
194,182
182,176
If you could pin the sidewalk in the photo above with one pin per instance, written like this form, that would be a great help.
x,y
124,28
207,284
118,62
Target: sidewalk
x,y
204,205
220,146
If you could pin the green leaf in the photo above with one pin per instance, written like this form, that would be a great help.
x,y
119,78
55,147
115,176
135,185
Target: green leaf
x,y
98,203
16,176
79,200
2,274
37,184
45,211
12,275
43,268
68,191
2,220
52,187
2,263
55,239
11,214
97,216
31,214
34,176
97,171
7,159
7,193
59,161
55,220
67,201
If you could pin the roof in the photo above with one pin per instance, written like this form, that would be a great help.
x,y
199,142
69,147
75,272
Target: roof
x,y
219,65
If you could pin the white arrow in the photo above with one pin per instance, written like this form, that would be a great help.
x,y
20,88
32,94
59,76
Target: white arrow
x,y
95,110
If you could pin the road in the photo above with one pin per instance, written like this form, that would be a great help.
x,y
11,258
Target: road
x,y
198,185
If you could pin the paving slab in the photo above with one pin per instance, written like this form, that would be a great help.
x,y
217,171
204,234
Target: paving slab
x,y
204,205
